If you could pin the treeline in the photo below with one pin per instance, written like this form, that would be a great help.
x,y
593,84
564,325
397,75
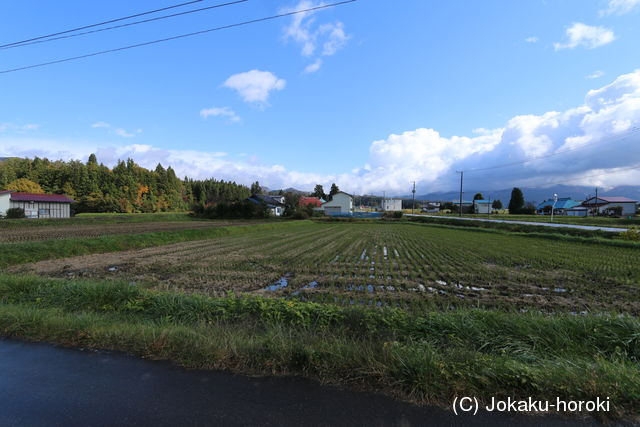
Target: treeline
x,y
126,188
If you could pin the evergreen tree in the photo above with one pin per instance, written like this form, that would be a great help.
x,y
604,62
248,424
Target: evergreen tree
x,y
318,192
478,196
255,188
497,204
516,204
334,190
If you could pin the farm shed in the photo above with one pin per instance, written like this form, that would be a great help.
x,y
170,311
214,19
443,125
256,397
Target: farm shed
x,y
340,204
604,204
392,205
36,205
482,206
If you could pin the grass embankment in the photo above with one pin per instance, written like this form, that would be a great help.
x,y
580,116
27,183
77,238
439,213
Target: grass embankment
x,y
94,218
558,219
18,253
532,229
427,359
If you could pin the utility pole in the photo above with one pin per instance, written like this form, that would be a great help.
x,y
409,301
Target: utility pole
x,y
413,199
596,213
461,179
384,197
490,207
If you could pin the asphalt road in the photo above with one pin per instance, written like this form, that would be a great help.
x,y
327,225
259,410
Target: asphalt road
x,y
543,224
43,385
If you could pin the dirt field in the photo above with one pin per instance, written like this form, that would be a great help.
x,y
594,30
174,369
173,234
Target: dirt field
x,y
91,230
415,267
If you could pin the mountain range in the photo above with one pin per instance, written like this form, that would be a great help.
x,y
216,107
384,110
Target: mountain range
x,y
536,195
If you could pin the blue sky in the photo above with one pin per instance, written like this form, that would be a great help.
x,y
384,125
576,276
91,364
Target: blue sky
x,y
400,91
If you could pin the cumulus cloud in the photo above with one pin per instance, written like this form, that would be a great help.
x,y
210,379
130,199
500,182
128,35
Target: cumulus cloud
x,y
116,131
531,39
620,7
327,38
580,146
220,112
588,36
255,85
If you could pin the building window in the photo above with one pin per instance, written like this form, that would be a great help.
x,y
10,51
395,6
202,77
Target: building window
x,y
43,212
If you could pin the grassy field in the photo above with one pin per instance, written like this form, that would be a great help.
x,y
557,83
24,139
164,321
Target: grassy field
x,y
559,219
420,311
97,219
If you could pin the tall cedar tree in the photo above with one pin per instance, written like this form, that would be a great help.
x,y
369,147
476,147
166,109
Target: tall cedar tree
x,y
478,196
516,204
333,191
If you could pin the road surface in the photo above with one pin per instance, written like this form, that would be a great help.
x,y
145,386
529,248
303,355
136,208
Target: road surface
x,y
543,224
43,385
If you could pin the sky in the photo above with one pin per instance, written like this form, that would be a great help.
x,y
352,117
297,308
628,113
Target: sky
x,y
371,95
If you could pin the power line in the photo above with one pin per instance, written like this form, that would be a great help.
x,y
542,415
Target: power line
x,y
253,21
632,131
103,23
123,25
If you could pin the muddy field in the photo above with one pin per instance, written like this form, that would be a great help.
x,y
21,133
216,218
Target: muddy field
x,y
96,230
410,266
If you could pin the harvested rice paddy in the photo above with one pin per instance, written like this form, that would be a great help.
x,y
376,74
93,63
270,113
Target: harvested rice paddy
x,y
415,267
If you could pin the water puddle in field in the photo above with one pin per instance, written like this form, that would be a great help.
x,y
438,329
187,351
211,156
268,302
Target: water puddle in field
x,y
478,288
370,288
364,253
560,290
441,282
395,251
421,288
311,285
113,269
280,284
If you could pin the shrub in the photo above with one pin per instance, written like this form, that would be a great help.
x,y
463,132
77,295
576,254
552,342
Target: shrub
x,y
15,213
633,233
392,215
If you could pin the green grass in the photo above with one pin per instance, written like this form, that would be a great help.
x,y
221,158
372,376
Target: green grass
x,y
17,253
623,222
94,218
426,358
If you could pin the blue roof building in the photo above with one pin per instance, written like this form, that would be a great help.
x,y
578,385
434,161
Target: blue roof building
x,y
561,205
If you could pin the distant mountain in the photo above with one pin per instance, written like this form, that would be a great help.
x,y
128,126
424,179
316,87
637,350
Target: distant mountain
x,y
536,195
2,159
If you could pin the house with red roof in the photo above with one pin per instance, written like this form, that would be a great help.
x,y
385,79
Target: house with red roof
x,y
36,205
316,202
611,204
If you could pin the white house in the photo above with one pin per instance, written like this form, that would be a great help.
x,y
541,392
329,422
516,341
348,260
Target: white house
x,y
341,203
607,204
391,205
36,205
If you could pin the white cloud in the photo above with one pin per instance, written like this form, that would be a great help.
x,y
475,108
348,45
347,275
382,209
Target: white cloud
x,y
312,68
580,34
595,75
302,30
116,131
531,39
255,85
12,127
220,112
620,7
593,138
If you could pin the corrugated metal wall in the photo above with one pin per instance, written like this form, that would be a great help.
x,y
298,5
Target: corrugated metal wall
x,y
44,209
